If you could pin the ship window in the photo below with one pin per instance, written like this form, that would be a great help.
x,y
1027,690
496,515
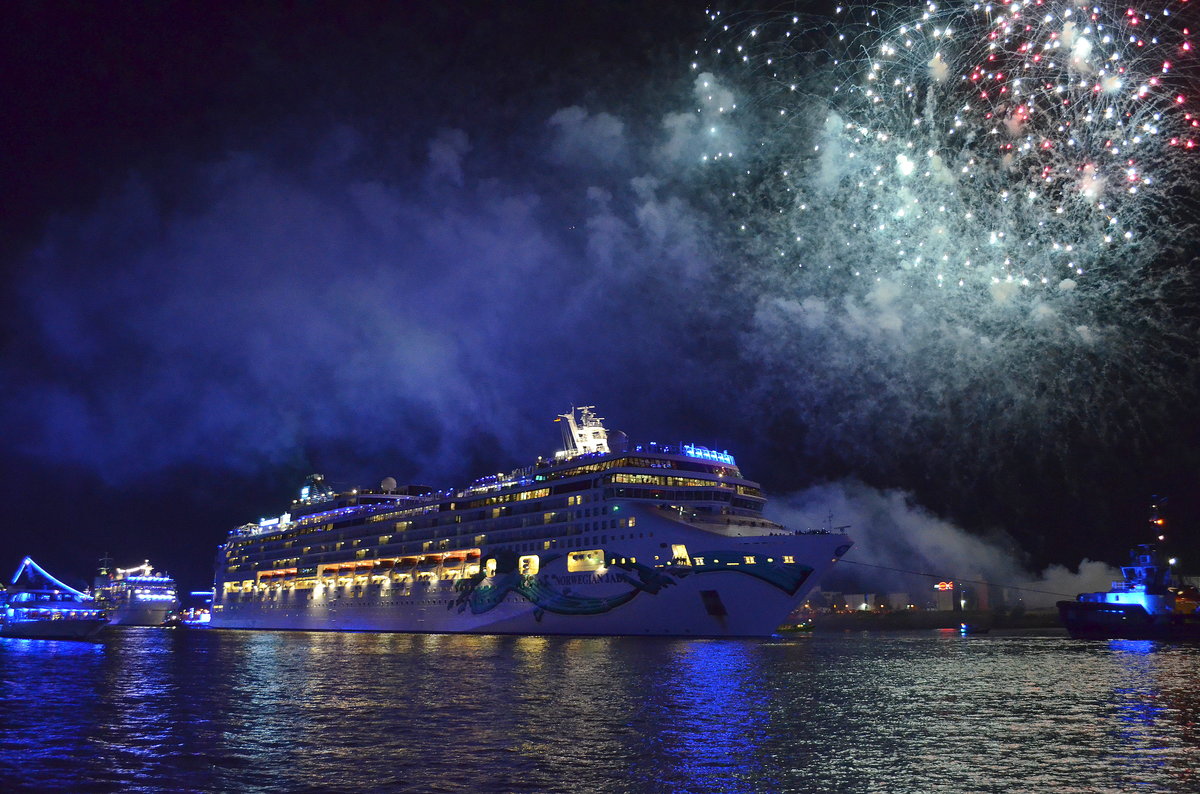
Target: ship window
x,y
789,559
679,553
588,560
528,565
490,568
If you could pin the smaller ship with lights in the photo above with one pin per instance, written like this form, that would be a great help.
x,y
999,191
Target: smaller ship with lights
x,y
35,605
1145,604
600,539
138,596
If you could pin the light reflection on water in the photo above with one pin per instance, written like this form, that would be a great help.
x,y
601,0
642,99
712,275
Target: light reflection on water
x,y
150,710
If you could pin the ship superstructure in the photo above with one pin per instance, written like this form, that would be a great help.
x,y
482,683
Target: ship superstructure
x,y
660,539
137,596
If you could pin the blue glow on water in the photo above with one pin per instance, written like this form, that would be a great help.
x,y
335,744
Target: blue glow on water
x,y
215,710
720,713
1137,647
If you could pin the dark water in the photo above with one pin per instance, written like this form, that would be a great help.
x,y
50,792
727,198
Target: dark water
x,y
151,710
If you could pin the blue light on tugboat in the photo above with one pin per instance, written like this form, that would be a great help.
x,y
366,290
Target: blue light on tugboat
x,y
704,453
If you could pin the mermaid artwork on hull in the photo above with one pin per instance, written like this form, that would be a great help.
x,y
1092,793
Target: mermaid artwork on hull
x,y
481,593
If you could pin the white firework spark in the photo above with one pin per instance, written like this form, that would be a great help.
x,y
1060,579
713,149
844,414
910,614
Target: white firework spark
x,y
974,206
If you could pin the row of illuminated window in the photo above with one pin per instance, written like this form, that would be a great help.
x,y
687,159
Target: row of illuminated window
x,y
634,462
680,556
409,544
306,523
660,479
583,561
286,540
682,497
427,528
518,496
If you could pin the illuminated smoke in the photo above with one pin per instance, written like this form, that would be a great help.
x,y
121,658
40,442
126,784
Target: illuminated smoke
x,y
895,536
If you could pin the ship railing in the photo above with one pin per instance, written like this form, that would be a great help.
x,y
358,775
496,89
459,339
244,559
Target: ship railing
x,y
477,488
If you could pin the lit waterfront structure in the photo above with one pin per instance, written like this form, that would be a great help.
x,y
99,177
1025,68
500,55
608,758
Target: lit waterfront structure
x,y
36,605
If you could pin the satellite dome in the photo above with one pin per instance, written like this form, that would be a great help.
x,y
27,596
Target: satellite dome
x,y
388,484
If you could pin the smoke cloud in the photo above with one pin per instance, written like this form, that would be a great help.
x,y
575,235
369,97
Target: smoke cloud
x,y
896,537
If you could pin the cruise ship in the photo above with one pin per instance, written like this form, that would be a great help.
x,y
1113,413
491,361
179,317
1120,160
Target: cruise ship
x,y
137,596
600,539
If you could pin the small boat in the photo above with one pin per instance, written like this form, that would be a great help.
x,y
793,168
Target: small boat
x,y
970,628
187,619
38,606
1144,604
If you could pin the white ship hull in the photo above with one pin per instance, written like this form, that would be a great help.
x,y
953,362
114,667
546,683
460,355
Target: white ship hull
x,y
137,615
728,598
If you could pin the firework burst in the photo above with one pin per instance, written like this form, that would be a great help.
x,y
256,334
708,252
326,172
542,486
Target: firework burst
x,y
970,204
1007,145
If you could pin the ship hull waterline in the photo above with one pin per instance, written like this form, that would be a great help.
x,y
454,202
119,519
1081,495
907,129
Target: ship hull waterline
x,y
60,629
735,602
138,615
1109,621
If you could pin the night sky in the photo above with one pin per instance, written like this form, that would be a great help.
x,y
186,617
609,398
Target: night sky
x,y
246,243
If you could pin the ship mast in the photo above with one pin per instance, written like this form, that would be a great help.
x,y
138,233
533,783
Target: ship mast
x,y
584,436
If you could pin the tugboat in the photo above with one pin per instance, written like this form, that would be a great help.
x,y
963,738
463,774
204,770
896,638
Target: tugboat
x,y
1143,605
38,606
